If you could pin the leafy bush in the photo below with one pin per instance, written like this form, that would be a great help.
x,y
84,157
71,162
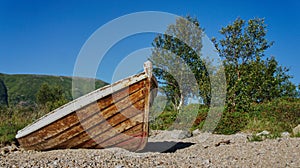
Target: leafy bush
x,y
174,119
51,97
232,122
164,120
275,116
15,118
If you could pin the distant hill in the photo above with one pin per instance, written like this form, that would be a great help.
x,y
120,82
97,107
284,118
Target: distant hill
x,y
23,87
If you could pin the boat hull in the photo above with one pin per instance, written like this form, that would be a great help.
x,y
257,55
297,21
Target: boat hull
x,y
119,119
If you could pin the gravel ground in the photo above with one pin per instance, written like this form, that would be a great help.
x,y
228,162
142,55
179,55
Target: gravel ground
x,y
204,150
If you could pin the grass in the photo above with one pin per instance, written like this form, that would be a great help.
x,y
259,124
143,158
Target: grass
x,y
297,135
258,125
255,138
258,138
171,119
277,116
14,119
163,121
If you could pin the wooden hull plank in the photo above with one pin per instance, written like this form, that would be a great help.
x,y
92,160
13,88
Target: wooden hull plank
x,y
86,124
116,118
102,126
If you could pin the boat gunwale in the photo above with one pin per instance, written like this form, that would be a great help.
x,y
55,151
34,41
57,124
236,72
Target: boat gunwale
x,y
80,103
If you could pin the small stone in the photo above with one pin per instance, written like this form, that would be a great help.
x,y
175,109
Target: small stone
x,y
4,150
296,130
196,132
205,146
13,148
206,162
285,134
263,133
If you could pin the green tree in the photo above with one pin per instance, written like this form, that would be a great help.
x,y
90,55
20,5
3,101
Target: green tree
x,y
250,78
181,44
44,94
50,97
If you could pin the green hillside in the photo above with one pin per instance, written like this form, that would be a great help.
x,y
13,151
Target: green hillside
x,y
23,88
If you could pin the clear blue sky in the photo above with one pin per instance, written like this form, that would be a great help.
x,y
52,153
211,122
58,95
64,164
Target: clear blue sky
x,y
45,37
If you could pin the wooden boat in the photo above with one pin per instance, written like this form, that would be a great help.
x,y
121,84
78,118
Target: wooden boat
x,y
113,116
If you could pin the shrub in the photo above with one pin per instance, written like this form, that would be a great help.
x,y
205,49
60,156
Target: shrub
x,y
15,118
276,116
232,122
172,119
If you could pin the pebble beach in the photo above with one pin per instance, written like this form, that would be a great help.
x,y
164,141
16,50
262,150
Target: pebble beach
x,y
202,150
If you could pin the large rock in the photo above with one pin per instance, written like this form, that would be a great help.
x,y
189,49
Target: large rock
x,y
296,130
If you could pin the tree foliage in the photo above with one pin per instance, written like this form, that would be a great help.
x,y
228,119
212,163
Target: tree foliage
x,y
250,77
179,46
50,97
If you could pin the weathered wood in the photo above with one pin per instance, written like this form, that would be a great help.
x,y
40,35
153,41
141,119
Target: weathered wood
x,y
92,120
74,119
117,119
134,131
107,135
100,126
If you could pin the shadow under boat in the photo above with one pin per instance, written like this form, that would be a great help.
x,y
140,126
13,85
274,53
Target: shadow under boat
x,y
165,146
